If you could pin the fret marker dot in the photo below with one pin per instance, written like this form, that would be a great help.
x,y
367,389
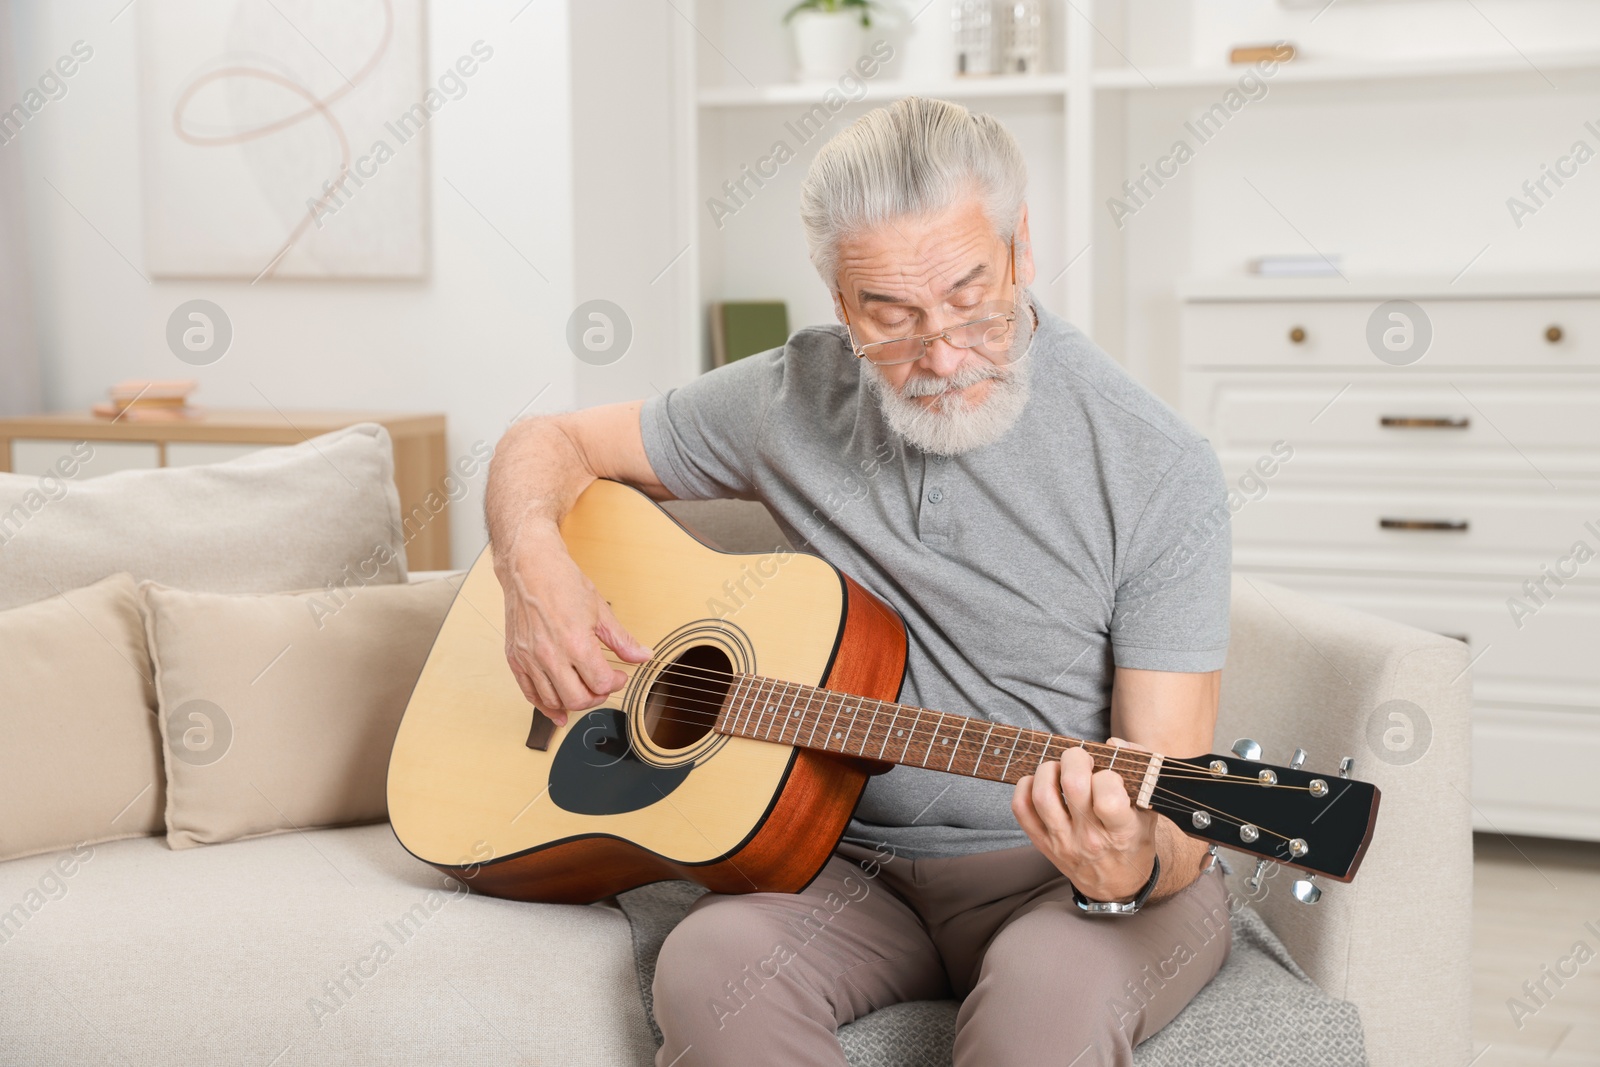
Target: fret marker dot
x,y
836,733
944,740
902,733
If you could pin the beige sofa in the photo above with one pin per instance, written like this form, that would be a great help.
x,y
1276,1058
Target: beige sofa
x,y
267,951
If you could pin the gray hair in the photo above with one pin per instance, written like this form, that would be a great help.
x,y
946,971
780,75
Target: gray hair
x,y
910,158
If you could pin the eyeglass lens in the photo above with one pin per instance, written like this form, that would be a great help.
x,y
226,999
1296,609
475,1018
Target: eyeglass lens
x,y
984,334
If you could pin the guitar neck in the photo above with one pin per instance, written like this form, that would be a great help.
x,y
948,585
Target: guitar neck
x,y
788,713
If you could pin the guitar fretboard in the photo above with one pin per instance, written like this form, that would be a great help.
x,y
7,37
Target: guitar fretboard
x,y
788,713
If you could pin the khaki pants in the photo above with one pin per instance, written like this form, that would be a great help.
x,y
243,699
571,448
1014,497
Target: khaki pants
x,y
767,978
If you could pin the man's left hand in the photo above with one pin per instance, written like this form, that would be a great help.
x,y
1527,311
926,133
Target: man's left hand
x,y
1085,823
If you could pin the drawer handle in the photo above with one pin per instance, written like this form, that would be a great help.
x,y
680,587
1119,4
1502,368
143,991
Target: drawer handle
x,y
1425,422
1451,525
1298,334
1553,334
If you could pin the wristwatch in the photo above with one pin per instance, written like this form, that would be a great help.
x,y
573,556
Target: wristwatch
x,y
1099,907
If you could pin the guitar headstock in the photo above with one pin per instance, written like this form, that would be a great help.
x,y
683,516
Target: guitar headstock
x,y
1315,821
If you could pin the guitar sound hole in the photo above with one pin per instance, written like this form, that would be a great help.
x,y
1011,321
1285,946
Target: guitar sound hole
x,y
683,702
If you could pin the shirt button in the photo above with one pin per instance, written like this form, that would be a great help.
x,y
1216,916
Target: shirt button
x,y
936,495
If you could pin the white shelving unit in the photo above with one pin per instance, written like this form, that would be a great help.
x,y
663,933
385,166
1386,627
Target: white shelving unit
x,y
1044,86
1115,70
1327,71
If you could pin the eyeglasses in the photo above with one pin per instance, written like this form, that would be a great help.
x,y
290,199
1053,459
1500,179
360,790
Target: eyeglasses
x,y
990,330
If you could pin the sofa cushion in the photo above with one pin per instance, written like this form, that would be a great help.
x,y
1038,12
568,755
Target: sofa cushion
x,y
80,758
1260,1007
322,511
331,948
278,711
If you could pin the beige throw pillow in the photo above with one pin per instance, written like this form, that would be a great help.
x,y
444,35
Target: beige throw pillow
x,y
278,711
325,510
80,755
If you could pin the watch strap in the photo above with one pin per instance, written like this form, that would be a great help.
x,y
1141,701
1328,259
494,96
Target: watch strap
x,y
1100,907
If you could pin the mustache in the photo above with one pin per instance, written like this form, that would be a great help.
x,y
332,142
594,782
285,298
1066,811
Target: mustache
x,y
1002,363
970,373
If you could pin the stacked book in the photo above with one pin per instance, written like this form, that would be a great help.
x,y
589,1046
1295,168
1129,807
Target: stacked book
x,y
1318,266
742,328
139,400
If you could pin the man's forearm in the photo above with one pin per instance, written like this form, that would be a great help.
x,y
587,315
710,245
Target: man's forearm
x,y
535,477
1182,857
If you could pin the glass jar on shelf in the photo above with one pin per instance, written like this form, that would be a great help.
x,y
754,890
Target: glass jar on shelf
x,y
972,24
1021,36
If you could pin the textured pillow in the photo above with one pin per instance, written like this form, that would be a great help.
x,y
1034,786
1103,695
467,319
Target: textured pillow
x,y
278,711
325,510
80,756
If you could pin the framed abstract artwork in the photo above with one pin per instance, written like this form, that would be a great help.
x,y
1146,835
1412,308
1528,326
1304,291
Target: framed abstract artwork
x,y
284,138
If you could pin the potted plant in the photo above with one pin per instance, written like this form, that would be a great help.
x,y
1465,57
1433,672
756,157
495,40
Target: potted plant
x,y
827,35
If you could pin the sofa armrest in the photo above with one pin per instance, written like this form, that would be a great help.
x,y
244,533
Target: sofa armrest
x,y
428,576
1397,940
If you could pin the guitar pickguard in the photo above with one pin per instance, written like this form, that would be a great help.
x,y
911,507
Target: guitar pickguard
x,y
597,772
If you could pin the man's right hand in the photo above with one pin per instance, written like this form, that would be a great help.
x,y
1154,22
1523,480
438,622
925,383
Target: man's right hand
x,y
558,627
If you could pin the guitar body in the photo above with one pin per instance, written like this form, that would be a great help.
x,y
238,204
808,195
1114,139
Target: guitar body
x,y
641,789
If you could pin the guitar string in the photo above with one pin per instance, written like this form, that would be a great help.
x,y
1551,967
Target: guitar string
x,y
1201,772
1168,796
1173,801
934,729
1219,813
1165,793
1222,816
720,693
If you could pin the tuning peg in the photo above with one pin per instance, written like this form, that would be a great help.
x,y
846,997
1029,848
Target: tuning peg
x,y
1254,881
1297,759
1345,765
1306,890
1245,748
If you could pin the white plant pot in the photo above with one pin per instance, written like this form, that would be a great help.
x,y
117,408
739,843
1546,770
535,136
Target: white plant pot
x,y
826,44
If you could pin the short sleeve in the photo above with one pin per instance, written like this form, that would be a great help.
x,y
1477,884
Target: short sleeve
x,y
702,438
1172,599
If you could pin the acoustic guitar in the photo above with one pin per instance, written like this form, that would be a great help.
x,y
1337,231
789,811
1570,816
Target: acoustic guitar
x,y
736,755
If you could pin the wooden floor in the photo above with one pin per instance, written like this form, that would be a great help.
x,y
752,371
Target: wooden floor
x,y
1531,900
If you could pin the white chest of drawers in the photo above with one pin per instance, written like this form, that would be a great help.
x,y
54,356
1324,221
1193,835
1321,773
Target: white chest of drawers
x,y
1457,490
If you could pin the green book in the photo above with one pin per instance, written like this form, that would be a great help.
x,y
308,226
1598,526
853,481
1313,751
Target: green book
x,y
744,327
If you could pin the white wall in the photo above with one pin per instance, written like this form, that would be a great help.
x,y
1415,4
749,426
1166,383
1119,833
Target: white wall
x,y
478,339
19,366
631,180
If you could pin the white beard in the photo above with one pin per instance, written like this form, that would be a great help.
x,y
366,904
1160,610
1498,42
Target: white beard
x,y
953,424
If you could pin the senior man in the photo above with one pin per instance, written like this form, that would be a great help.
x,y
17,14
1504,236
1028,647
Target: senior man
x,y
1047,529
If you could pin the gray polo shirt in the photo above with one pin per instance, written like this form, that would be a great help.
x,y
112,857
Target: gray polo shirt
x,y
1094,532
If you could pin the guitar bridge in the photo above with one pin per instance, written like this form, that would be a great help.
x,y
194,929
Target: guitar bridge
x,y
540,732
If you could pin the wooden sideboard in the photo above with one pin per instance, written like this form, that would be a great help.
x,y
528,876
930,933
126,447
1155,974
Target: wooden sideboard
x,y
32,443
